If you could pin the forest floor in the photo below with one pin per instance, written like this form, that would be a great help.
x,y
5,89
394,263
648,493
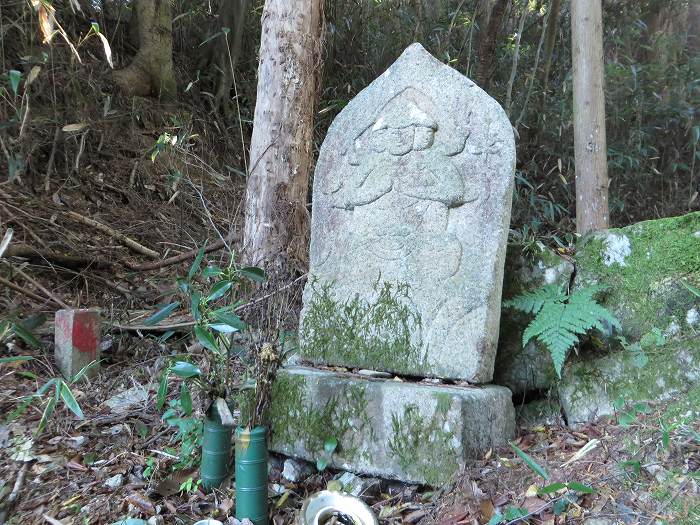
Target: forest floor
x,y
639,468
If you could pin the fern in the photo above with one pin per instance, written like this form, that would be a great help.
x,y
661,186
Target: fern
x,y
560,318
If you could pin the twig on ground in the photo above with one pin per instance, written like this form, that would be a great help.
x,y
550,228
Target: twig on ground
x,y
21,290
46,292
44,256
14,495
221,243
113,233
49,166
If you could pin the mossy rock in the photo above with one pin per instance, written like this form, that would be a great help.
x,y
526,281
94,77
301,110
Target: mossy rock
x,y
417,433
646,268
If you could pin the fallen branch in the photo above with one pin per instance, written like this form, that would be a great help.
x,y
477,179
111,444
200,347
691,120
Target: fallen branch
x,y
113,233
21,290
38,285
221,243
43,256
14,495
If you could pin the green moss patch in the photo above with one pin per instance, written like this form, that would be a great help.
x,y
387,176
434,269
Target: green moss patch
x,y
645,267
378,335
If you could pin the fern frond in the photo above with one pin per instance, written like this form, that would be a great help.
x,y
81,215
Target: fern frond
x,y
560,320
532,302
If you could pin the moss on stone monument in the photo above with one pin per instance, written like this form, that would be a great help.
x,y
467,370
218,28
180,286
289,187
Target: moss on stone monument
x,y
355,332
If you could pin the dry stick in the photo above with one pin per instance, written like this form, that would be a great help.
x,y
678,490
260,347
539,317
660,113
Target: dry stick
x,y
49,167
113,233
42,256
14,495
21,290
221,243
47,292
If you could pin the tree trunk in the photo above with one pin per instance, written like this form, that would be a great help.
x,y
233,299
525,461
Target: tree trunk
x,y
223,52
550,39
488,36
590,150
151,72
276,218
693,42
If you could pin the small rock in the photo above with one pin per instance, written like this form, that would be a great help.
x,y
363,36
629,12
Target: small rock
x,y
357,486
295,471
124,400
77,441
156,520
106,344
114,482
277,489
373,373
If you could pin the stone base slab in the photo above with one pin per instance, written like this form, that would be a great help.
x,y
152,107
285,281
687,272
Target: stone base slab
x,y
417,433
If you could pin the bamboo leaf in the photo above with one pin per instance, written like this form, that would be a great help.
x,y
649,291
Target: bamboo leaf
x,y
219,290
70,401
162,389
15,359
161,314
195,265
537,469
15,77
185,399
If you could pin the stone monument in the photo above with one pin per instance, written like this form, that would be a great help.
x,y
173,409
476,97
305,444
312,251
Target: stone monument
x,y
411,208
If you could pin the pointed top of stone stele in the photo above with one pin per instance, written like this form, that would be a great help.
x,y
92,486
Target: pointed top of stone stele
x,y
411,208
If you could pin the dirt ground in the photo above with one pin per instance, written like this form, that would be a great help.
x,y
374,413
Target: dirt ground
x,y
117,462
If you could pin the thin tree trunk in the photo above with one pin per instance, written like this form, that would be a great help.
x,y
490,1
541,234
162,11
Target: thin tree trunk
x,y
693,42
590,148
488,35
151,72
276,219
516,58
549,41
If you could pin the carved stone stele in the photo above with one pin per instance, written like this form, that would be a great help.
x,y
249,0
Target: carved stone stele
x,y
411,207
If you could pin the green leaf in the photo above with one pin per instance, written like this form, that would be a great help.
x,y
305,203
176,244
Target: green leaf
x,y
70,401
224,328
219,290
185,399
206,339
81,373
212,271
330,445
195,301
15,77
692,289
513,513
230,319
15,359
25,335
46,415
253,273
321,464
495,519
626,419
162,389
161,314
560,506
185,369
580,488
537,469
195,264
550,489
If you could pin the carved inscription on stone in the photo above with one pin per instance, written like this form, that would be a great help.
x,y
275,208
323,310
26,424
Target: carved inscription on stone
x,y
412,187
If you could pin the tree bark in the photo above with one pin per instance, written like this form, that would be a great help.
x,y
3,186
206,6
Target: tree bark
x,y
488,36
224,52
276,219
693,42
151,72
590,150
550,39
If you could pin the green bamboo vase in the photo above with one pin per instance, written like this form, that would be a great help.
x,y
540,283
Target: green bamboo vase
x,y
251,474
216,447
